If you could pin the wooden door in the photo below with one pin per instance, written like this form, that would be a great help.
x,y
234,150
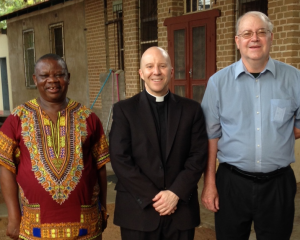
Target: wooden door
x,y
192,48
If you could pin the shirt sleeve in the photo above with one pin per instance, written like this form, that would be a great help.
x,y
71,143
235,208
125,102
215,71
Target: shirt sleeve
x,y
210,106
297,113
100,147
9,147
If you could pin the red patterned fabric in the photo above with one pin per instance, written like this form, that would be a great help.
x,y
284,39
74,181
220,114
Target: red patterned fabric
x,y
56,169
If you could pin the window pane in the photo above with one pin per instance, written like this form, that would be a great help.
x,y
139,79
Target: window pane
x,y
198,92
180,90
58,42
207,4
253,5
29,59
195,5
199,46
179,54
200,7
188,5
148,18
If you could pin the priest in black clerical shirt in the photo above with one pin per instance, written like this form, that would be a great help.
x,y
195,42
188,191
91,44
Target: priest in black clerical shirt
x,y
158,147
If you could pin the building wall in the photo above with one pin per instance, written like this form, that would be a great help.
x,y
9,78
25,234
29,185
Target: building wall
x,y
131,46
166,9
4,54
285,15
72,15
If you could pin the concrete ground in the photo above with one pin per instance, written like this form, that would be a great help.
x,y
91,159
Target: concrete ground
x,y
207,217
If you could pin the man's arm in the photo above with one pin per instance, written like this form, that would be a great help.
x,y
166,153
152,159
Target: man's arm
x,y
103,194
297,132
187,179
128,172
210,197
9,189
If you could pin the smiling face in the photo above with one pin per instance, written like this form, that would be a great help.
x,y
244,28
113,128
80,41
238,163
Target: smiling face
x,y
255,50
156,71
52,80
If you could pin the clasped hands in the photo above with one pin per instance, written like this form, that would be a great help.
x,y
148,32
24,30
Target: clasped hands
x,y
165,202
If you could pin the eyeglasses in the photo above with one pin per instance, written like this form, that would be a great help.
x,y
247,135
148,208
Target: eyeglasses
x,y
249,34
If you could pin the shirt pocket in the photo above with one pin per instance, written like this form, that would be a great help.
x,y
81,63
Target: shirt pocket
x,y
281,110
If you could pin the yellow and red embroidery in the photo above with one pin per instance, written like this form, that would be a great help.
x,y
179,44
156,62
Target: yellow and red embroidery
x,y
57,163
8,150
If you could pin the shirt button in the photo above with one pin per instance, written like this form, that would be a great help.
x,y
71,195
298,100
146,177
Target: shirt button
x,y
257,129
258,145
257,161
257,112
257,96
256,80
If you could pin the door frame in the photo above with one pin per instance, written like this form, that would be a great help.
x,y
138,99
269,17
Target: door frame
x,y
186,22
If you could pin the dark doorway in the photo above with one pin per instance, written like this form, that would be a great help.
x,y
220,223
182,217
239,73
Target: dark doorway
x,y
4,82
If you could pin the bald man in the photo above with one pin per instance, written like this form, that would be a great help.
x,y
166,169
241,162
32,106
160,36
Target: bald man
x,y
158,145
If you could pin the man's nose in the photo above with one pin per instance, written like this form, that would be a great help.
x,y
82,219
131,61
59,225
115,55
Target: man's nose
x,y
156,70
52,78
254,37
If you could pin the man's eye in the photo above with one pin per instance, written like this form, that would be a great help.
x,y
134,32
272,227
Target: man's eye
x,y
261,33
247,34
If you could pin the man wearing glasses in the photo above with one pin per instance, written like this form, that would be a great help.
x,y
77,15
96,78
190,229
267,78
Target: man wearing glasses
x,y
252,117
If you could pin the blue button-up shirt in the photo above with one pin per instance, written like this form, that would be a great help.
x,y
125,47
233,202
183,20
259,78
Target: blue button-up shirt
x,y
254,117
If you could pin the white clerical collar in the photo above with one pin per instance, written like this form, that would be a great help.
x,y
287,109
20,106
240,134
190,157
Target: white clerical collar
x,y
158,98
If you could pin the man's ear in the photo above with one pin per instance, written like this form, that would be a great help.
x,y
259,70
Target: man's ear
x,y
141,74
34,79
69,75
237,42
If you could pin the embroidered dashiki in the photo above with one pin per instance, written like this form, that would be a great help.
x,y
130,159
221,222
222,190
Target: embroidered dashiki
x,y
56,170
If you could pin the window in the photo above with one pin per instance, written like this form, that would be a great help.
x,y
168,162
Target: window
x,y
197,5
253,5
148,24
57,39
29,57
118,30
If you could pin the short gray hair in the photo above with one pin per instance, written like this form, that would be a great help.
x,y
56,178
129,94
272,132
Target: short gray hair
x,y
257,14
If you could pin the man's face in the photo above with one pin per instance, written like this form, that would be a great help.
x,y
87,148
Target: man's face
x,y
254,49
156,71
51,80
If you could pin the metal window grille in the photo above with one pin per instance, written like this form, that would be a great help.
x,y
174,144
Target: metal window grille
x,y
148,24
253,5
29,57
57,39
197,5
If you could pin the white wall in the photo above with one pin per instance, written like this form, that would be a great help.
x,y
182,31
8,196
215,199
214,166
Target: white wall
x,y
4,54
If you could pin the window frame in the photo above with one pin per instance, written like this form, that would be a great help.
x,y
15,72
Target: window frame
x,y
197,7
52,37
29,83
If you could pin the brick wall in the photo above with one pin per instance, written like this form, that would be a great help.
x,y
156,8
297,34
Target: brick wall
x,y
131,46
285,15
95,40
166,9
225,33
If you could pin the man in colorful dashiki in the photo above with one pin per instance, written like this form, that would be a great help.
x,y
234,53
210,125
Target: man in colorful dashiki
x,y
53,152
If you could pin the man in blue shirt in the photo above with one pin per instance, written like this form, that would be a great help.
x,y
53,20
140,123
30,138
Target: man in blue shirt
x,y
252,116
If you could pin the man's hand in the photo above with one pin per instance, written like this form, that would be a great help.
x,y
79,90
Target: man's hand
x,y
13,228
165,202
210,198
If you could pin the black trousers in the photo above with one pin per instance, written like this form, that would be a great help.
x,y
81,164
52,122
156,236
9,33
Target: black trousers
x,y
268,204
165,231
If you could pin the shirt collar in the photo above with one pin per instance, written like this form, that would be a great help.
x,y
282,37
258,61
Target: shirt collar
x,y
240,68
158,98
